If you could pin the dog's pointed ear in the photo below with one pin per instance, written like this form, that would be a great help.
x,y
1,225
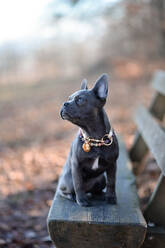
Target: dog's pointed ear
x,y
101,87
84,85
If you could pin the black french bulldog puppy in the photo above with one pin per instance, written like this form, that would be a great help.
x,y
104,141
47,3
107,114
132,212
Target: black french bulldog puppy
x,y
91,164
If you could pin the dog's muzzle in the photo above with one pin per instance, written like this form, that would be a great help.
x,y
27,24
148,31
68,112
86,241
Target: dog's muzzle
x,y
64,114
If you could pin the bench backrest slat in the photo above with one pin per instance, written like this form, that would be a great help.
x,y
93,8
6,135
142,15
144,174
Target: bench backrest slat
x,y
158,82
153,135
157,108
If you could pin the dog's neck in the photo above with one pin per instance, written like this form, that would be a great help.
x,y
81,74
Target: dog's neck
x,y
98,125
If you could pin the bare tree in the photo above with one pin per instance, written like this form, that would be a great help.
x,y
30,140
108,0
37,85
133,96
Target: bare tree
x,y
159,6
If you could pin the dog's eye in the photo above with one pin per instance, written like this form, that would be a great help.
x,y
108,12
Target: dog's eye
x,y
80,100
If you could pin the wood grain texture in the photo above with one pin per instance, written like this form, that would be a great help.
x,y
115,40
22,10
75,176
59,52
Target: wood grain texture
x,y
155,211
153,135
158,82
102,225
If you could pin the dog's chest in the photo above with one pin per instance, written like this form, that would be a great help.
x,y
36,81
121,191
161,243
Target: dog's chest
x,y
95,164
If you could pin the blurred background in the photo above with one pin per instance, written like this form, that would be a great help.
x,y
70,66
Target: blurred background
x,y
46,49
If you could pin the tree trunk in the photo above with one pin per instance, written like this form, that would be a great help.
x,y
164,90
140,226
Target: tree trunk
x,y
159,6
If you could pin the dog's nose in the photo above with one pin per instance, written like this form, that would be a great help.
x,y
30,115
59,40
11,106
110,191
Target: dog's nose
x,y
66,104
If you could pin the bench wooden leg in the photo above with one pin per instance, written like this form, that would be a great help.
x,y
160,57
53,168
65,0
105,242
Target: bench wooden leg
x,y
155,211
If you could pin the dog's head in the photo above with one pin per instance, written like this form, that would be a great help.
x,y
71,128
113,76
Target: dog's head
x,y
85,104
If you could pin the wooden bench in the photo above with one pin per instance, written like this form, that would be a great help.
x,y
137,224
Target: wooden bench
x,y
151,137
121,225
101,225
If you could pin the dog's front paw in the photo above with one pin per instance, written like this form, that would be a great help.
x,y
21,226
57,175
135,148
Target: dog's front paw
x,y
111,199
83,201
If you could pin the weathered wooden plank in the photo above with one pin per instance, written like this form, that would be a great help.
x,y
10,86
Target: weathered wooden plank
x,y
155,211
101,225
139,148
153,135
158,82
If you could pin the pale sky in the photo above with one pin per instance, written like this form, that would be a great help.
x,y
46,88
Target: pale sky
x,y
20,18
